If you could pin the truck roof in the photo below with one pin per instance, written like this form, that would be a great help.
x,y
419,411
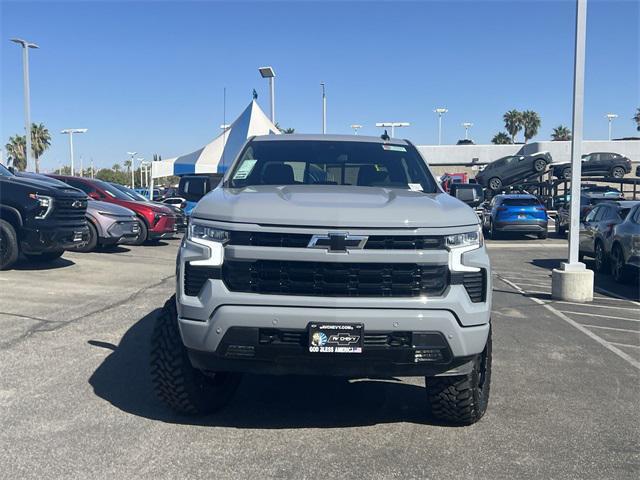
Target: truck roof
x,y
328,138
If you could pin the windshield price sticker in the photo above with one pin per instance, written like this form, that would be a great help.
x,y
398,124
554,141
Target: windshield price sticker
x,y
415,187
245,169
335,338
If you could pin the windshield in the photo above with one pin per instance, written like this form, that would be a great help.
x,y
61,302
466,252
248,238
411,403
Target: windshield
x,y
113,191
4,171
520,202
323,162
130,192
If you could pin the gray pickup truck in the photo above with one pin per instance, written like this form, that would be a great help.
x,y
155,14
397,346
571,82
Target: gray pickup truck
x,y
328,255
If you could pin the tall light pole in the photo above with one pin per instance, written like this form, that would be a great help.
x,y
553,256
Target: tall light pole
x,y
611,117
572,281
467,126
131,164
27,100
393,126
440,111
70,132
141,160
267,72
356,127
324,108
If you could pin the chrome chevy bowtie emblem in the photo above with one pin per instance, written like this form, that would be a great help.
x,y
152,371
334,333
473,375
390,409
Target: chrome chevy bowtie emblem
x,y
338,242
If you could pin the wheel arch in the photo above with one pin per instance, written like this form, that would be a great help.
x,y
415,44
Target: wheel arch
x,y
11,215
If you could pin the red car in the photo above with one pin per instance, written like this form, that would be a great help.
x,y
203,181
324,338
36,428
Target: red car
x,y
156,221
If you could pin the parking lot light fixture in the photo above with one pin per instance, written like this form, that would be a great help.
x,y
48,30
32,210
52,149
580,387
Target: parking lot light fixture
x,y
611,117
467,126
572,281
393,126
356,127
27,96
70,132
267,72
131,155
440,111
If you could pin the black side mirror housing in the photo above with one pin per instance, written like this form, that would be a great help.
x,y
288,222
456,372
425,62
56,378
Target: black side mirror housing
x,y
470,193
193,187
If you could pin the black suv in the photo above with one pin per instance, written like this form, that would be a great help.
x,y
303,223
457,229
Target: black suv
x,y
38,219
604,164
508,170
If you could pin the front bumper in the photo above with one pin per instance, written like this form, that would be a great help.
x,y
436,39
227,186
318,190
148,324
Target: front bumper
x,y
39,240
122,229
208,318
164,227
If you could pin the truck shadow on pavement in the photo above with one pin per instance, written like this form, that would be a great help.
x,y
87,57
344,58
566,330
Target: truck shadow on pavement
x,y
25,264
269,402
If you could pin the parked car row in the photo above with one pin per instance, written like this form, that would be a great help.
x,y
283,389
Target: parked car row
x,y
610,234
517,168
41,216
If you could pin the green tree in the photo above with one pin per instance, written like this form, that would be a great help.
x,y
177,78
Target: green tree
x,y
112,175
127,164
40,141
636,118
561,133
116,167
501,138
16,149
513,123
531,123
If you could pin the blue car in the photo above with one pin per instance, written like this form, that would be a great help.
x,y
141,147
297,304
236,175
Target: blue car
x,y
519,213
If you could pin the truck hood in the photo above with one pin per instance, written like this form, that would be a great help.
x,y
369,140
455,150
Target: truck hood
x,y
334,206
45,187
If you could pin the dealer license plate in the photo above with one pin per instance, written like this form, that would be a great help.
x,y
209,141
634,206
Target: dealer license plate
x,y
335,337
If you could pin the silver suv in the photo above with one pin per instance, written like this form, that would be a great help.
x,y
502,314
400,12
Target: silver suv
x,y
330,255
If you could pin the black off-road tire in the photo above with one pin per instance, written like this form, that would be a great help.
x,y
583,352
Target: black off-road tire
x,y
44,257
463,399
184,389
9,249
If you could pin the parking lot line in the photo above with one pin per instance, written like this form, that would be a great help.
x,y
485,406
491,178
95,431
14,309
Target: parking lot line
x,y
599,315
611,328
624,345
608,345
496,246
598,306
534,284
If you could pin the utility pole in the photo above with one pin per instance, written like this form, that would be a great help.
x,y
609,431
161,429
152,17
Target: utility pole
x,y
27,95
440,111
324,109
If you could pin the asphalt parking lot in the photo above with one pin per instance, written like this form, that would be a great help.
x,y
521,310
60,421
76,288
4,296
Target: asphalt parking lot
x,y
76,400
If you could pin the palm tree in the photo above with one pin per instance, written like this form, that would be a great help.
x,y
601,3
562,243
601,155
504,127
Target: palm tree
x,y
636,118
501,138
16,149
40,141
116,167
285,130
513,123
531,122
561,133
127,164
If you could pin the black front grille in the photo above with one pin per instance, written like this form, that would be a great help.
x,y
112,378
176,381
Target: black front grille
x,y
475,283
196,276
335,279
301,240
69,209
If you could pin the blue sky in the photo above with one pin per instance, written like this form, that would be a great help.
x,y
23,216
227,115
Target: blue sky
x,y
149,76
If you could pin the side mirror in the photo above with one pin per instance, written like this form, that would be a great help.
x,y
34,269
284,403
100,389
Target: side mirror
x,y
193,187
471,194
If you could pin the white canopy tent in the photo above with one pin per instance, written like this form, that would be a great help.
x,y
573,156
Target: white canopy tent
x,y
217,156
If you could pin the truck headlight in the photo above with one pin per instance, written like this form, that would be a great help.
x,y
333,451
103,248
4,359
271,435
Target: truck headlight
x,y
460,243
212,238
463,240
45,204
